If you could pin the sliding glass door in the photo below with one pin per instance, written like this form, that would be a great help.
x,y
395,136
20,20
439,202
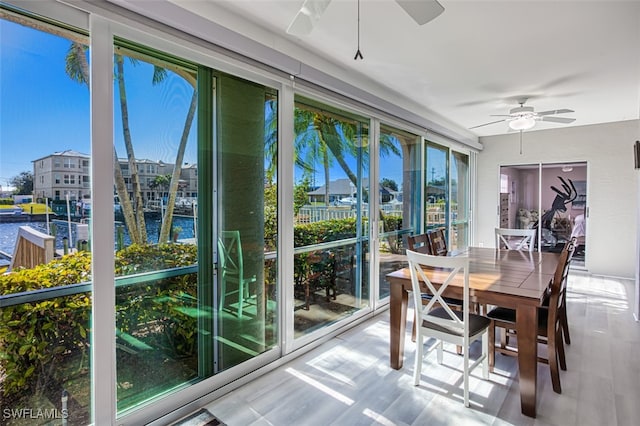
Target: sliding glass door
x,y
447,195
195,250
331,200
399,192
460,200
551,198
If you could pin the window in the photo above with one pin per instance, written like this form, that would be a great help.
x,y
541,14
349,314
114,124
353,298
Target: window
x,y
331,210
504,184
399,177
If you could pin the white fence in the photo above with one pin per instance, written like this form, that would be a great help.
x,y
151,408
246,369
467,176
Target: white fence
x,y
319,213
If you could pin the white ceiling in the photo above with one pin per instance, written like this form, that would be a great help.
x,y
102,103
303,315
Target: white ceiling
x,y
476,59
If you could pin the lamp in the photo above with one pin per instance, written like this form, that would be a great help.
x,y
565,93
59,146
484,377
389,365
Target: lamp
x,y
567,168
522,123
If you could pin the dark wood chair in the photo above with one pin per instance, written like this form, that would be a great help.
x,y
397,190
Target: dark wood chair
x,y
419,243
549,323
562,309
438,242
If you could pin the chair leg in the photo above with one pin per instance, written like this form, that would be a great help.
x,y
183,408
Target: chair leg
x,y
485,354
492,346
413,331
418,361
504,338
466,378
561,358
565,325
240,297
439,352
553,365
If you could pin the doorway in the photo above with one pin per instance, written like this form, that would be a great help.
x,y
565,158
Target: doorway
x,y
550,197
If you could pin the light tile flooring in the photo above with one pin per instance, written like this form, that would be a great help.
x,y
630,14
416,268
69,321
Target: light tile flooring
x,y
348,381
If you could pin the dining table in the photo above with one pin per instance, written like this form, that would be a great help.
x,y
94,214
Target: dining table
x,y
508,278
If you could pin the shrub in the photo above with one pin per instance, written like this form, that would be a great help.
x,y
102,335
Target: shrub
x,y
36,338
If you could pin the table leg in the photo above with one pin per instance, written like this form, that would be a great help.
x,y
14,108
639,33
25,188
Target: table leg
x,y
398,314
526,327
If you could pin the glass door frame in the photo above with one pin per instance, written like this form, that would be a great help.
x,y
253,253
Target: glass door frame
x,y
540,166
103,32
449,151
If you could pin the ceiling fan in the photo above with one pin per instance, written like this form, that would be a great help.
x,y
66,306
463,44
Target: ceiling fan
x,y
524,117
422,11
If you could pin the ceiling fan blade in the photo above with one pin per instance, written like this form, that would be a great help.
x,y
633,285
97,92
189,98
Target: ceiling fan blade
x,y
422,11
501,115
307,17
558,119
486,124
555,111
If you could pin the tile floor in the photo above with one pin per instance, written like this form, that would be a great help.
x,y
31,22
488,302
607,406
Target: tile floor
x,y
348,381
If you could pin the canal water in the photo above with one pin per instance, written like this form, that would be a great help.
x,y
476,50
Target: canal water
x,y
9,231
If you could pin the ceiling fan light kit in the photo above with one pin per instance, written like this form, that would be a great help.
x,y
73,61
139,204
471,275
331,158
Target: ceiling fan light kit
x,y
522,123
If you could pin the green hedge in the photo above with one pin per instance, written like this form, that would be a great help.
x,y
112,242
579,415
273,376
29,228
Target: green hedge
x,y
6,201
36,338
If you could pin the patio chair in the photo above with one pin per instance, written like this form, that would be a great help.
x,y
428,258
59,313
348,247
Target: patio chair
x,y
232,270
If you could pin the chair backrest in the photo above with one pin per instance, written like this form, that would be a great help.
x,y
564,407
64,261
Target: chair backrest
x,y
445,271
230,253
571,247
515,239
419,243
558,284
438,242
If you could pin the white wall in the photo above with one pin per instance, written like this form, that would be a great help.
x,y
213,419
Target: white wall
x,y
612,188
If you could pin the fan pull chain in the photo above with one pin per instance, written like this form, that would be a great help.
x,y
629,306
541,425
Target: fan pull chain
x,y
520,141
358,53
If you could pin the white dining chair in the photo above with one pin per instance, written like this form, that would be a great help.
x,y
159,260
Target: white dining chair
x,y
442,323
515,239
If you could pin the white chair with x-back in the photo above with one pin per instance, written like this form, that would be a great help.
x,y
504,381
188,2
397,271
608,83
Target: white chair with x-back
x,y
515,239
442,323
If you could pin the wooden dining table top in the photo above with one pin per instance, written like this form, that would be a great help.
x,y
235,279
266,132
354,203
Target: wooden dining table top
x,y
500,272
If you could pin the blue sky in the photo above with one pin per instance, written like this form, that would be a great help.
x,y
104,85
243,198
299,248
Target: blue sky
x,y
43,111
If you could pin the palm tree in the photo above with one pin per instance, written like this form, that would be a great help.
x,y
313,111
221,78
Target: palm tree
x,y
271,137
325,138
138,204
161,181
177,170
77,68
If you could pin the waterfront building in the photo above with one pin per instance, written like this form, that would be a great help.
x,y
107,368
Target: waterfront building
x,y
68,172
